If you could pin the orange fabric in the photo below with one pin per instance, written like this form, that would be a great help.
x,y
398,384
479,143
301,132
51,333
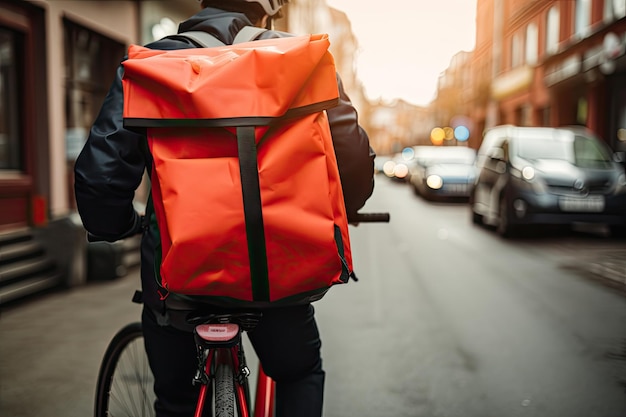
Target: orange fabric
x,y
196,183
210,83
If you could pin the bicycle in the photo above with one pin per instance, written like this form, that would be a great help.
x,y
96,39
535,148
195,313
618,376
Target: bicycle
x,y
124,386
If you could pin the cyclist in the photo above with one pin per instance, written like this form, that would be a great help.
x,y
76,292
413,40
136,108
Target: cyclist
x,y
110,168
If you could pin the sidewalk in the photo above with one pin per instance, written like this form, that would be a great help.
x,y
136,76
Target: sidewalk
x,y
607,265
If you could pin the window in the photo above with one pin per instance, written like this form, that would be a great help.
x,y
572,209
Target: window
x,y
582,18
523,115
532,44
552,31
619,8
11,84
545,116
582,111
90,63
614,10
516,51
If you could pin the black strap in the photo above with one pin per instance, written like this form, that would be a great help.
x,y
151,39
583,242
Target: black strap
x,y
202,39
249,171
253,213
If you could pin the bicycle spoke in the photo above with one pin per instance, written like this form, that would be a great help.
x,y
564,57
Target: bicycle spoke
x,y
131,394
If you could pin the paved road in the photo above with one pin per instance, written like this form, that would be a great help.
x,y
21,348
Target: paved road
x,y
446,320
451,320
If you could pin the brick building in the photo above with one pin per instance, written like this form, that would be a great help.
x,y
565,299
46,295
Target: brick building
x,y
551,63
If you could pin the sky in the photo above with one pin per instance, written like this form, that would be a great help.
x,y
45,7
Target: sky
x,y
404,48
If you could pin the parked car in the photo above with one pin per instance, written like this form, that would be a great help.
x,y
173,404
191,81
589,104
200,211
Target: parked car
x,y
547,176
443,172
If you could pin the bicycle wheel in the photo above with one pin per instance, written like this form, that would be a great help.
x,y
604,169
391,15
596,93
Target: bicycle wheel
x,y
224,391
125,382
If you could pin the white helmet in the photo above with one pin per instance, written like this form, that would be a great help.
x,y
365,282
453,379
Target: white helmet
x,y
271,7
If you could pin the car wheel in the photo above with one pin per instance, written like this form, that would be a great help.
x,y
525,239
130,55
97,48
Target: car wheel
x,y
477,218
504,229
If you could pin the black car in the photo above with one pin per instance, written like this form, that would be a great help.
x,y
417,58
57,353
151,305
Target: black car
x,y
547,176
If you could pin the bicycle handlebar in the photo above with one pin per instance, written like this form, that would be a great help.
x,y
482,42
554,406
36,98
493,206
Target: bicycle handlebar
x,y
369,218
356,218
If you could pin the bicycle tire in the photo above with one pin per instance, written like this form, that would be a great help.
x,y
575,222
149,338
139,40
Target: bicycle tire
x,y
224,390
125,381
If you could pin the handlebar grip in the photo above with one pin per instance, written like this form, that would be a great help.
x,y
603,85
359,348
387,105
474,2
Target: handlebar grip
x,y
369,218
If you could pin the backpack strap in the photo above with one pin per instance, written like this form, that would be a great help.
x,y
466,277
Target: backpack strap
x,y
248,33
203,39
206,40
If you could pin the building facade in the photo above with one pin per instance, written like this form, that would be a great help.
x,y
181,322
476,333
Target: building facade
x,y
57,60
453,104
552,63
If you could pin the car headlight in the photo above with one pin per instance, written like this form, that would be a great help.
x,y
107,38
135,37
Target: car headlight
x,y
434,181
530,176
528,173
388,168
401,171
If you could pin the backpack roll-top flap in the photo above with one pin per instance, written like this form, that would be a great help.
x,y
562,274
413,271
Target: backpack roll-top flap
x,y
187,85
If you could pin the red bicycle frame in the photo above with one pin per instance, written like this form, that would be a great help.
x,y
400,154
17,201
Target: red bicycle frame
x,y
265,390
224,346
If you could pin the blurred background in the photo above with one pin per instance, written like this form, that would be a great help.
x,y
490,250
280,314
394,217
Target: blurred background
x,y
535,63
480,326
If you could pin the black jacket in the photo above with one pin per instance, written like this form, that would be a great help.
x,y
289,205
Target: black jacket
x,y
111,165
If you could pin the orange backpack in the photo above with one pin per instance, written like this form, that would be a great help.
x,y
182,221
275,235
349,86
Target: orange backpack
x,y
245,184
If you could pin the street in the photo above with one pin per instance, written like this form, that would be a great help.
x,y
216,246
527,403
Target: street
x,y
447,319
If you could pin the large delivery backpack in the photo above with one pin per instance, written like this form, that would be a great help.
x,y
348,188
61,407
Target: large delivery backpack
x,y
245,183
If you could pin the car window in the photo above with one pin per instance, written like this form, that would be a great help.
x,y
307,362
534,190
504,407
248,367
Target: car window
x,y
533,148
591,153
579,150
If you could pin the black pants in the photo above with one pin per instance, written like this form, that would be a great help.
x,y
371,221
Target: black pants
x,y
286,341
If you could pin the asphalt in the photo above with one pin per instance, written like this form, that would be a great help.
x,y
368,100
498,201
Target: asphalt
x,y
607,264
610,266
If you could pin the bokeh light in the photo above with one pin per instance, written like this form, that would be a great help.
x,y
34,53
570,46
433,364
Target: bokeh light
x,y
388,168
434,181
437,136
621,134
408,154
449,133
400,171
461,133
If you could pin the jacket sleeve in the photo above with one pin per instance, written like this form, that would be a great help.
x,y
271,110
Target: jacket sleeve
x,y
355,157
108,171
